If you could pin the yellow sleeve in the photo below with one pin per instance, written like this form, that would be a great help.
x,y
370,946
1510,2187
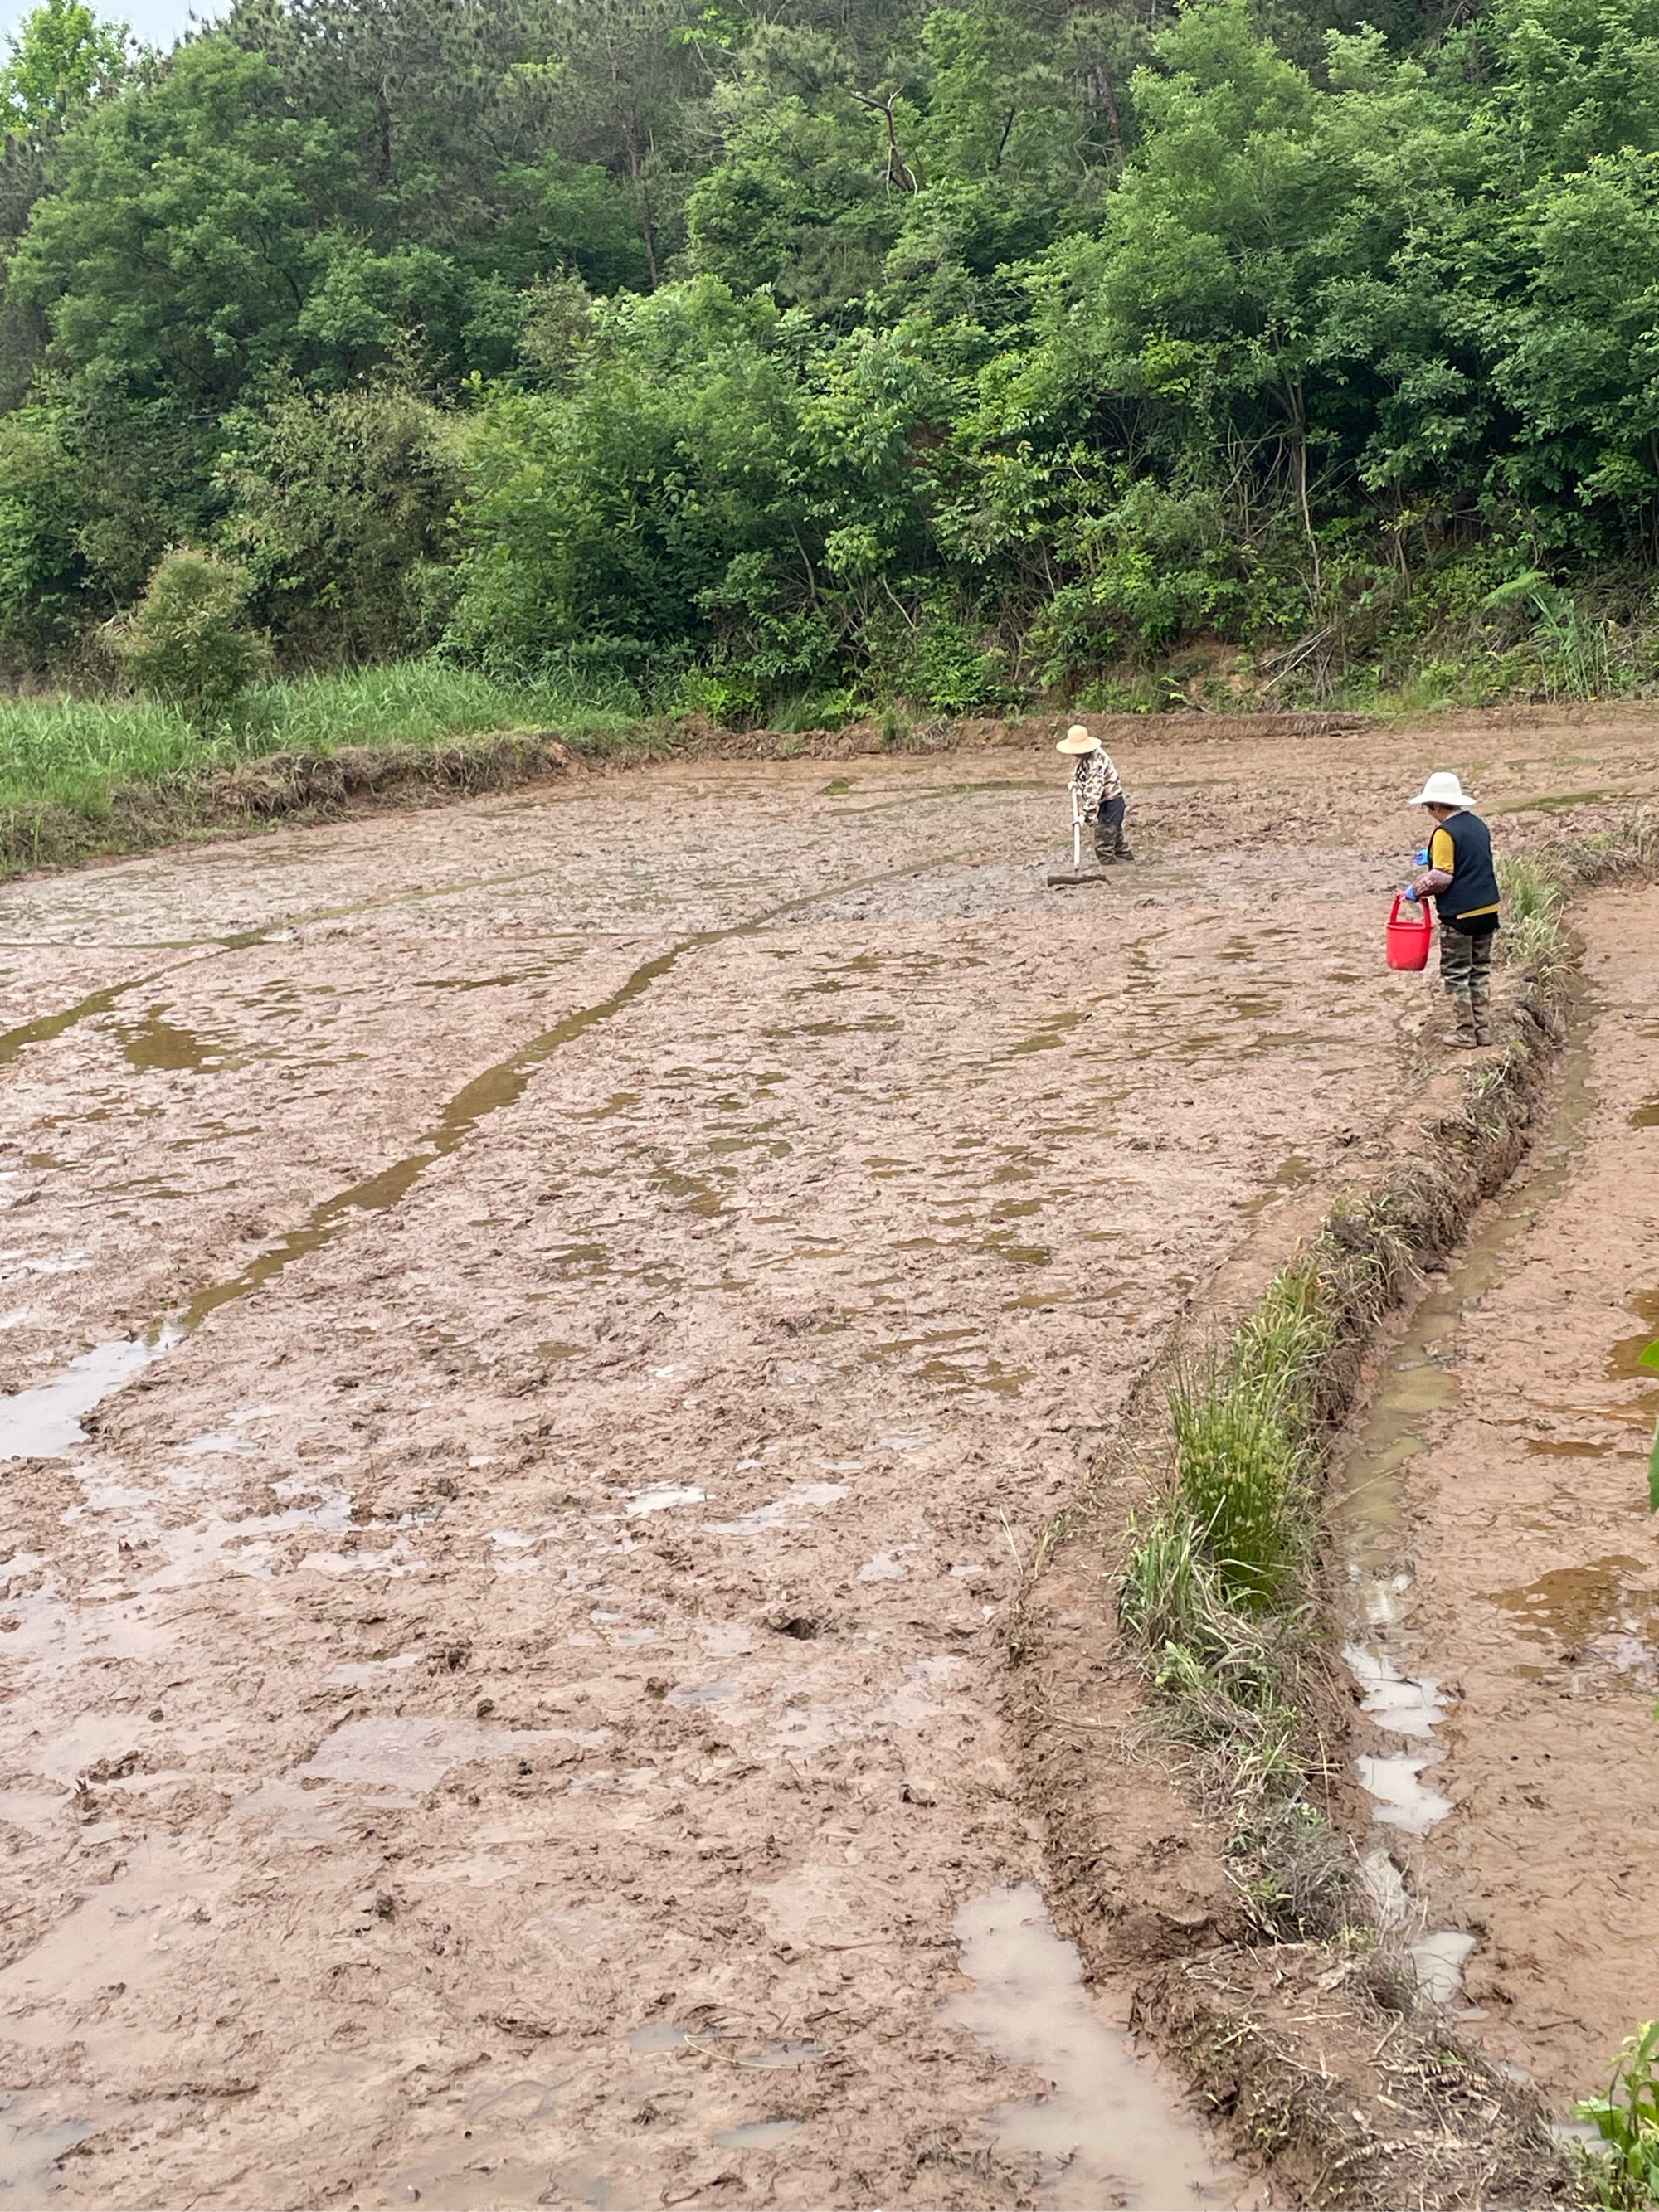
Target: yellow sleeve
x,y
1442,854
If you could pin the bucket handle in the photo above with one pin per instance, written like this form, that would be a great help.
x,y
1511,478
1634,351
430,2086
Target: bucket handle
x,y
1420,919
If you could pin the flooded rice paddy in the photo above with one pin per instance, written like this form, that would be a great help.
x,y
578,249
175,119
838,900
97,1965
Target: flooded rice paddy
x,y
534,1336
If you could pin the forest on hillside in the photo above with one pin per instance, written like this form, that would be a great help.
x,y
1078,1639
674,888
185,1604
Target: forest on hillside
x,y
808,356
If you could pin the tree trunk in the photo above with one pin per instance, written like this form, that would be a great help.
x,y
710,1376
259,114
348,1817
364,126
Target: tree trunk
x,y
1109,102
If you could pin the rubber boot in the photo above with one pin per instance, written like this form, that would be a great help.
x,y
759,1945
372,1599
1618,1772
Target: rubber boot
x,y
1465,1032
1123,852
1106,844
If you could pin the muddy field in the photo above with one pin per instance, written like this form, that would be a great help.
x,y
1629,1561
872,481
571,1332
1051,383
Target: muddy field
x,y
578,1306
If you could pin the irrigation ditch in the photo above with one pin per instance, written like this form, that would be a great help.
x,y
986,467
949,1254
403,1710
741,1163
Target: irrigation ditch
x,y
1189,1753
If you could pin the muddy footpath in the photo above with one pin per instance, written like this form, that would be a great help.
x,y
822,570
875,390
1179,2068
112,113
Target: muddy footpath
x,y
537,1339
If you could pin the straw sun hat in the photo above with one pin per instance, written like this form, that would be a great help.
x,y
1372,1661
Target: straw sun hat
x,y
1078,740
1443,789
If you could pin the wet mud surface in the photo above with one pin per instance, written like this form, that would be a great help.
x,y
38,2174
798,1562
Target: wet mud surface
x,y
503,1702
1516,1570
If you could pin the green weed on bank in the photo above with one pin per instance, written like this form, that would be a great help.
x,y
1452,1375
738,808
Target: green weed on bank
x,y
1212,1590
75,753
1620,2171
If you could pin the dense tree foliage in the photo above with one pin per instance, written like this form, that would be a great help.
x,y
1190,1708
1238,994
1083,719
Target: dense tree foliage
x,y
836,355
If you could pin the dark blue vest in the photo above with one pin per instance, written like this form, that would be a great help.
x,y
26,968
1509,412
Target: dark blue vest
x,y
1474,879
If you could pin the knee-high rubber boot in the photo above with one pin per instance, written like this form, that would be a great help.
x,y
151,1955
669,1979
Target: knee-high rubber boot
x,y
1455,965
1480,991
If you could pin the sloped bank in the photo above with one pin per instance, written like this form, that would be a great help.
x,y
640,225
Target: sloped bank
x,y
219,800
1247,1946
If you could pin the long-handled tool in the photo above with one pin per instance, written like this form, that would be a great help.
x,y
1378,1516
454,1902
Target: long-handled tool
x,y
1074,877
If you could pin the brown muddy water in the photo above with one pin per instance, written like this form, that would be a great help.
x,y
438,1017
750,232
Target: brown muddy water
x,y
532,1349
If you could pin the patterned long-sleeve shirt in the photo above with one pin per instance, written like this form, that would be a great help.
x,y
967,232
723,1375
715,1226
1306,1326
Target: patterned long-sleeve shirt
x,y
1094,781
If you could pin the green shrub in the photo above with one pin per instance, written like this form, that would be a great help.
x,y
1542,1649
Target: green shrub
x,y
952,670
43,571
188,642
345,522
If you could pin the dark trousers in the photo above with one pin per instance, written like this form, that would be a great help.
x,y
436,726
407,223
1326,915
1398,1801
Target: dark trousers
x,y
1466,973
1109,828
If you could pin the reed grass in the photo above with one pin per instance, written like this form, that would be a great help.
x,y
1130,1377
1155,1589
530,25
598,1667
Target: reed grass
x,y
74,753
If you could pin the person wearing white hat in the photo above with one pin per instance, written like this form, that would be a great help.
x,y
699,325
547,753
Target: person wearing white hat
x,y
1462,881
1097,795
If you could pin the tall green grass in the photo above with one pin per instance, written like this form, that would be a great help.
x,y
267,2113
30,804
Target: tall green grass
x,y
1237,1505
73,753
1535,893
1211,1591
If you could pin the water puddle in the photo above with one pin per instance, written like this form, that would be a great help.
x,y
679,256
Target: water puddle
x,y
1625,1360
758,2135
153,1043
1578,1607
1438,1961
1401,1798
1404,1705
46,1027
37,2126
1108,2130
662,1497
1294,1173
45,1422
705,1693
409,1753
99,1972
783,1512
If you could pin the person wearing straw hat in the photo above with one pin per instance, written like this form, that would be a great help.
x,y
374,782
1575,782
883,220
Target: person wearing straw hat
x,y
1462,881
1096,794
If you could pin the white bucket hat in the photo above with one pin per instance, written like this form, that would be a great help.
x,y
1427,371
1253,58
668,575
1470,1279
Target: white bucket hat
x,y
1442,789
1078,740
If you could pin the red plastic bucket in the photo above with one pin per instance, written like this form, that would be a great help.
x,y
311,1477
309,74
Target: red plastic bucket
x,y
1409,941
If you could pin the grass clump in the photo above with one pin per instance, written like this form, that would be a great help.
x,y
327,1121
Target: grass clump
x,y
1620,2171
1243,1427
1534,892
1238,1464
1210,1591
